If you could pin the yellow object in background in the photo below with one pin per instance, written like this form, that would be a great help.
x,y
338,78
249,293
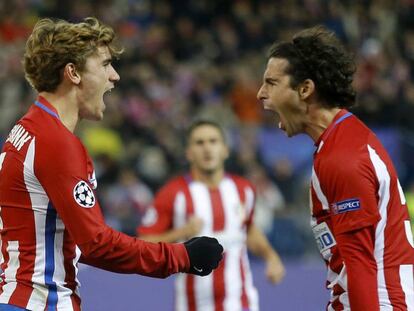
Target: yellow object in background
x,y
101,140
409,197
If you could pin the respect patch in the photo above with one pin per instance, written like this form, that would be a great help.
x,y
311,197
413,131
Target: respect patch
x,y
346,206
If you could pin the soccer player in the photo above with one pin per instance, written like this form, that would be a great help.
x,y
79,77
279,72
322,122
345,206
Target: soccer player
x,y
209,201
50,217
359,213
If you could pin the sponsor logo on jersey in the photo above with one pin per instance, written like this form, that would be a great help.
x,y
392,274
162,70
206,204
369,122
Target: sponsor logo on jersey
x,y
346,206
83,194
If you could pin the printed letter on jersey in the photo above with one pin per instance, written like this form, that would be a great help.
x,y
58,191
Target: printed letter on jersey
x,y
83,194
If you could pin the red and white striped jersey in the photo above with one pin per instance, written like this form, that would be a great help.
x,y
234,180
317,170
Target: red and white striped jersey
x,y
49,216
360,220
226,212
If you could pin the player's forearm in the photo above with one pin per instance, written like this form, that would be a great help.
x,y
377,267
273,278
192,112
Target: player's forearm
x,y
258,244
170,236
117,252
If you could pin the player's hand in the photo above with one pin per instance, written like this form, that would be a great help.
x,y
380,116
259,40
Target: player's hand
x,y
205,254
193,226
275,270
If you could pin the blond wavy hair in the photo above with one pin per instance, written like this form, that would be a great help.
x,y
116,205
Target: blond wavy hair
x,y
55,43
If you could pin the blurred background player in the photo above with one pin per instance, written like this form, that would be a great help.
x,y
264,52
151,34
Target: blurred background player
x,y
50,218
209,201
359,215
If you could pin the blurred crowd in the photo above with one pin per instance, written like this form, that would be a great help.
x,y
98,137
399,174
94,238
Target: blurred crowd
x,y
185,60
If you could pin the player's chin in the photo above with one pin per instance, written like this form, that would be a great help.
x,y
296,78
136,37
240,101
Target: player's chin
x,y
96,116
209,169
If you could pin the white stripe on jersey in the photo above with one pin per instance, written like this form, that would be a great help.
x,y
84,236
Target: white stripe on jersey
x,y
204,293
320,146
408,232
401,192
203,287
407,284
64,300
10,271
179,217
319,193
251,291
2,156
39,294
202,206
75,264
249,195
384,197
232,211
232,276
180,292
40,202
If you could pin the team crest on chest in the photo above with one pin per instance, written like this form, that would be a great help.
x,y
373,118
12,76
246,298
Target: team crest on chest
x,y
83,194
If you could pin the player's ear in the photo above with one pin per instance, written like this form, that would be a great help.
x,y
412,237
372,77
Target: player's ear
x,y
306,89
71,73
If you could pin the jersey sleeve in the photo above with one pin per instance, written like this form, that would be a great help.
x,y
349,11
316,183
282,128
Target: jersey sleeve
x,y
159,217
61,168
357,249
352,188
251,202
247,195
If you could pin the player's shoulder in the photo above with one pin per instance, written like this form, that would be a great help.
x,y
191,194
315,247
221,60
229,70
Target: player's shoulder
x,y
52,138
354,132
240,181
348,142
174,185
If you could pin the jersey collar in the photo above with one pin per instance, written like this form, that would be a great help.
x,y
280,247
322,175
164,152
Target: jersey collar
x,y
339,117
43,104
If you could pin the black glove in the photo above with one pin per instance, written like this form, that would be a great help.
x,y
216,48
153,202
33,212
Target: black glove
x,y
205,254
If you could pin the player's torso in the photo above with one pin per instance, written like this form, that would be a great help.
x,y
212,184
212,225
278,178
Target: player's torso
x,y
359,145
225,212
39,256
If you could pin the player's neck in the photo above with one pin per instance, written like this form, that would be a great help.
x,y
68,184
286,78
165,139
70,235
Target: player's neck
x,y
319,120
66,107
211,180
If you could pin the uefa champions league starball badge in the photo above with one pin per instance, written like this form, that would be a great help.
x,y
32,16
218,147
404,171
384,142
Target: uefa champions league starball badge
x,y
83,194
